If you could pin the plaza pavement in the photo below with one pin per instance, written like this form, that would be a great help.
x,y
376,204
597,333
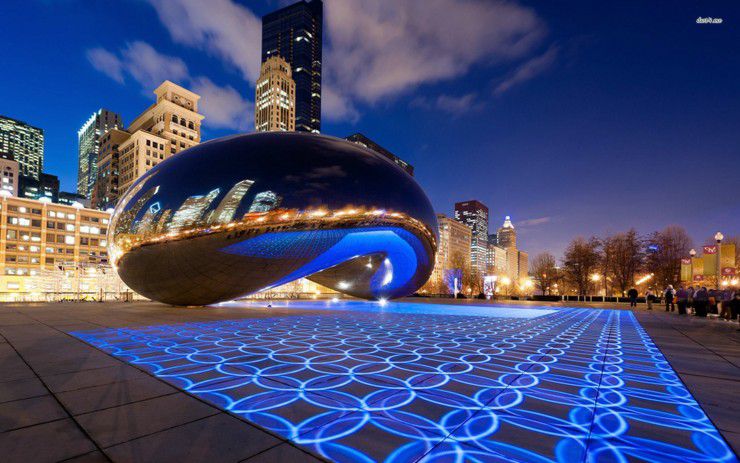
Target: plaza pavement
x,y
63,400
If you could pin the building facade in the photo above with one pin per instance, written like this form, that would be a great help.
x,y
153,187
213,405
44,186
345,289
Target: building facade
x,y
274,102
105,191
474,214
170,125
362,140
496,260
38,237
9,168
453,248
295,34
25,143
522,265
45,188
88,147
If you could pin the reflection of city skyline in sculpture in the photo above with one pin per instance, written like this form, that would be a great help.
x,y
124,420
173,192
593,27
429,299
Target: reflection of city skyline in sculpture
x,y
228,206
192,210
367,230
265,202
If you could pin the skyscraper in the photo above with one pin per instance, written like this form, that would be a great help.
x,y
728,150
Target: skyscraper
x,y
453,249
362,140
274,101
507,235
295,34
474,214
170,125
507,239
25,143
265,201
88,147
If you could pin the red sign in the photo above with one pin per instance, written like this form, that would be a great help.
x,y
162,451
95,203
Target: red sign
x,y
698,278
728,271
685,261
710,249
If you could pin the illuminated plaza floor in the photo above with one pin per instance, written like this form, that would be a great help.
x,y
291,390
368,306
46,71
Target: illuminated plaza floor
x,y
423,382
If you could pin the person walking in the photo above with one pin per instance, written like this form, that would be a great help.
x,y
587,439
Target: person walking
x,y
682,297
632,294
691,298
735,305
701,299
649,299
669,294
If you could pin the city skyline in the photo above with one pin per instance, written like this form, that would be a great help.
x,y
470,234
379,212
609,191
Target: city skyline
x,y
543,133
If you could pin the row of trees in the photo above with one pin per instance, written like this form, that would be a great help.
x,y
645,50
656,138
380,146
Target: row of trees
x,y
613,263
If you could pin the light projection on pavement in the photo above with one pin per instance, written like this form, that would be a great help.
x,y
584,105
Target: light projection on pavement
x,y
568,386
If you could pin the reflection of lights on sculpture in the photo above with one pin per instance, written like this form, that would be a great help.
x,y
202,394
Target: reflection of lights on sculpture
x,y
644,279
289,206
595,277
506,281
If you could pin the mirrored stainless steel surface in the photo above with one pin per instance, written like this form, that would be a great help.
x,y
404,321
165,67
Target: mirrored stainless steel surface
x,y
245,213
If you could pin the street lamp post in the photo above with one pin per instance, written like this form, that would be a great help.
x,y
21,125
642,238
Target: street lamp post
x,y
692,254
719,237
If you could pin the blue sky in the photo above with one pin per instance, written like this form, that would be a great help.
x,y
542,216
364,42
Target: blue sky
x,y
575,118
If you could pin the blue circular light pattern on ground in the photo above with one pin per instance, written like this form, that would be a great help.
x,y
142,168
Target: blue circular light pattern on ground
x,y
571,385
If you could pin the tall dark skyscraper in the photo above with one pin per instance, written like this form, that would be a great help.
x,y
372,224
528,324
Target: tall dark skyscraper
x,y
474,214
295,34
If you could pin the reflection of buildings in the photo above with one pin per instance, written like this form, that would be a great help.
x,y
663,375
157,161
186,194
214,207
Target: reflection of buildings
x,y
192,210
88,145
9,168
474,214
295,34
170,125
274,102
265,201
25,143
453,249
226,209
362,140
38,236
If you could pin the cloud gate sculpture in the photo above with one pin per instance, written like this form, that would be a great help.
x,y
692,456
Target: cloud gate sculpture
x,y
246,213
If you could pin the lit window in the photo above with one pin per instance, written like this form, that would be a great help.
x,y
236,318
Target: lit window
x,y
69,239
70,227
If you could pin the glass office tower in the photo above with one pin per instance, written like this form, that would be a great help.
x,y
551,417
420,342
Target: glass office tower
x,y
294,33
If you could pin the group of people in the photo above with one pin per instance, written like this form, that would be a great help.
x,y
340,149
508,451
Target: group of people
x,y
703,301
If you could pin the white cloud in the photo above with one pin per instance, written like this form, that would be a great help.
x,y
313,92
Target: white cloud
x,y
221,27
534,222
378,49
528,70
149,67
373,49
454,105
106,62
222,106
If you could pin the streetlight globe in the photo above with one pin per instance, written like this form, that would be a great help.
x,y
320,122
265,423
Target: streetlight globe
x,y
719,236
692,253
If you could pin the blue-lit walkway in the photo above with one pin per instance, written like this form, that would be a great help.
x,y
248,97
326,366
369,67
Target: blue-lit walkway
x,y
384,384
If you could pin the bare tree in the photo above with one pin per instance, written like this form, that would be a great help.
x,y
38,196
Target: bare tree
x,y
580,262
627,249
664,250
544,272
607,260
